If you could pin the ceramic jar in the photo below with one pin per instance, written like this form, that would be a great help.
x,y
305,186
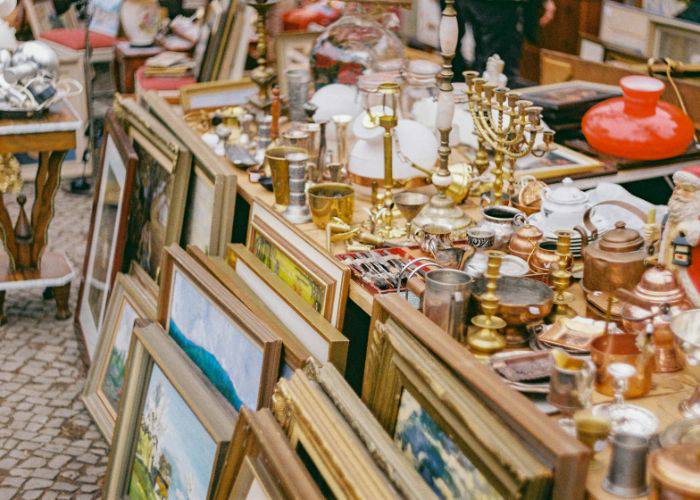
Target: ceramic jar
x,y
565,205
503,221
615,260
524,241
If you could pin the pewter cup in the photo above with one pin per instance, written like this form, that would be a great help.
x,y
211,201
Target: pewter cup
x,y
628,466
446,300
298,81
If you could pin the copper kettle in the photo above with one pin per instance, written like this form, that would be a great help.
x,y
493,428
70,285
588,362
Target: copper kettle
x,y
616,260
524,241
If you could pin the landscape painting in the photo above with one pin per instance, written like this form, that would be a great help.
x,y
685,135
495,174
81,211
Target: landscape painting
x,y
436,457
174,453
307,286
229,359
113,380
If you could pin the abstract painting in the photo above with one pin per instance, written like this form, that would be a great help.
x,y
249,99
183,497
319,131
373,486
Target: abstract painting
x,y
229,359
113,379
436,457
174,453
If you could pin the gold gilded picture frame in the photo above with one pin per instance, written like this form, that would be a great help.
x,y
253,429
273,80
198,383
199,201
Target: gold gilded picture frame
x,y
319,278
504,442
129,301
217,94
315,333
204,418
211,201
239,355
163,172
341,465
260,452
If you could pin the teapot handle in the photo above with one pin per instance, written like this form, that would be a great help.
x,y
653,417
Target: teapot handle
x,y
584,235
519,219
622,204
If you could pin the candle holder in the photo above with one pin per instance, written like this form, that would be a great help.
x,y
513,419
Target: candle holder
x,y
488,338
560,277
508,125
263,75
442,209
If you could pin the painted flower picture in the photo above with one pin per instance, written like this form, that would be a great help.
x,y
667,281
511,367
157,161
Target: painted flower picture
x,y
231,361
114,375
436,457
174,453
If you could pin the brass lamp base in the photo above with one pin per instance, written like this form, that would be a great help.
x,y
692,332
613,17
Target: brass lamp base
x,y
487,339
442,211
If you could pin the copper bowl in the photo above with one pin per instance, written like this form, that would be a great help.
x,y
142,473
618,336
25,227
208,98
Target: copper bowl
x,y
621,348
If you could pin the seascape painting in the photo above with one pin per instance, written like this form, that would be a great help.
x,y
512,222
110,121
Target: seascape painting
x,y
174,453
231,361
302,282
113,380
148,213
435,456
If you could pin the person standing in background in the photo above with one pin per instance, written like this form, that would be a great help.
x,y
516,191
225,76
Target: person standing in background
x,y
499,27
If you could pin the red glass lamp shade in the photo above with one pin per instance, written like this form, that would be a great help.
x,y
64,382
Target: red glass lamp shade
x,y
637,125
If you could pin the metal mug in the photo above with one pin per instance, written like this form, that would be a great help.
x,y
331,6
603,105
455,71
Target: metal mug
x,y
433,237
446,300
279,167
570,382
628,466
481,237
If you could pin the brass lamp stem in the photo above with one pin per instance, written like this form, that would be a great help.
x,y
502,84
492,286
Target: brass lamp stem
x,y
388,122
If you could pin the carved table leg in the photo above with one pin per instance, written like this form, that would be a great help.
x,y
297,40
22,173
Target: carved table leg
x,y
61,294
48,178
47,294
3,318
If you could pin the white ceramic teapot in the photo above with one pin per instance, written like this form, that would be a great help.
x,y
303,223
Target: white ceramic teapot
x,y
565,206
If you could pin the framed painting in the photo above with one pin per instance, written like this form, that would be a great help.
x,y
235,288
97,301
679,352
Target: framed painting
x,y
576,94
336,458
210,38
159,191
107,232
128,302
218,332
318,336
292,51
559,162
233,50
386,454
211,200
488,439
173,429
294,354
213,95
262,464
317,277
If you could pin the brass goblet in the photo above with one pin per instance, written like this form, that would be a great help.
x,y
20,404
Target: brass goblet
x,y
410,203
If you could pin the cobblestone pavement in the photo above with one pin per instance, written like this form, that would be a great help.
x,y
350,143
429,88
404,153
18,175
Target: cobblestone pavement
x,y
49,446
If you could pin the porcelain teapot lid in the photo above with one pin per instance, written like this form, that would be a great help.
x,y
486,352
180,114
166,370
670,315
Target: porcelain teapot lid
x,y
566,194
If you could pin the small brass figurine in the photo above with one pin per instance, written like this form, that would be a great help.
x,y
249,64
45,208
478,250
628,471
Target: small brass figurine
x,y
560,277
488,338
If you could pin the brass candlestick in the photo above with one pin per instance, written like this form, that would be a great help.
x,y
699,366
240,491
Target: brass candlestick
x,y
442,209
560,277
506,124
652,233
263,75
488,339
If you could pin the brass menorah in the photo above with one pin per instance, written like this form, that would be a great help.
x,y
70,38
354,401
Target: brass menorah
x,y
509,126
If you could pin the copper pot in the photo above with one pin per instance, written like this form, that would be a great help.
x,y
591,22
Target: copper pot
x,y
543,259
621,348
615,260
641,307
524,241
675,472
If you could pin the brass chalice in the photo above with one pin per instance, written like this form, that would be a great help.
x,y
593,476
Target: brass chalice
x,y
410,203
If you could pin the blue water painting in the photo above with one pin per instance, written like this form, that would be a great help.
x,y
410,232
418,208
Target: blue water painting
x,y
435,456
174,453
216,345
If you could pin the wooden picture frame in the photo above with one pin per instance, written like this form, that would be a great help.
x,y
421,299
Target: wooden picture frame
x,y
318,336
159,190
218,94
212,31
235,43
559,162
292,51
238,354
339,462
165,394
294,354
260,451
128,301
514,447
270,237
386,454
106,237
211,201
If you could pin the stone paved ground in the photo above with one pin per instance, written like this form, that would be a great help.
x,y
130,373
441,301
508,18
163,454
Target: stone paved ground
x,y
49,446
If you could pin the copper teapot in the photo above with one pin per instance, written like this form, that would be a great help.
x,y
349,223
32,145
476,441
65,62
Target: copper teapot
x,y
524,241
616,260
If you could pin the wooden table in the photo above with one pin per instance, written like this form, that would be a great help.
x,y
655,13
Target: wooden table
x,y
26,263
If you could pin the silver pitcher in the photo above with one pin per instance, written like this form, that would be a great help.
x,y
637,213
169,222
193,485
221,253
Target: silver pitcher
x,y
446,300
502,220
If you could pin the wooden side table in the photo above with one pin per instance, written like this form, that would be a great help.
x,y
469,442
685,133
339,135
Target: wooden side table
x,y
128,59
26,263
